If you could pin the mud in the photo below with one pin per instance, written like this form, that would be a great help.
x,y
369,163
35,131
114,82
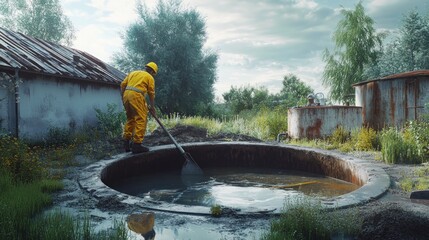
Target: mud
x,y
393,216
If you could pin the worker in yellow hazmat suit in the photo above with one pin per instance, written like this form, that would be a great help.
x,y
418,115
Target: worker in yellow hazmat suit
x,y
134,89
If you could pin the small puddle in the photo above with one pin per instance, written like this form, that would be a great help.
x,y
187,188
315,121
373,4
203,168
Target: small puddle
x,y
241,188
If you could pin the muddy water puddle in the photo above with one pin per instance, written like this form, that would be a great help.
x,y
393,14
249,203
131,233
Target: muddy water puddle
x,y
234,188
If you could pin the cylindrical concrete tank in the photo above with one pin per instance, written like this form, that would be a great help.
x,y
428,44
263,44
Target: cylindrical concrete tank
x,y
393,100
320,122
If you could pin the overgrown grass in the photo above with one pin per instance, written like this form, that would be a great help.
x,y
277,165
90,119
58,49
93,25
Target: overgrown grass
x,y
308,220
26,185
19,160
19,202
20,218
398,148
417,180
263,124
60,225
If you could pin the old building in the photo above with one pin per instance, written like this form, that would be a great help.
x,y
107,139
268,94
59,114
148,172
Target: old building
x,y
393,100
45,85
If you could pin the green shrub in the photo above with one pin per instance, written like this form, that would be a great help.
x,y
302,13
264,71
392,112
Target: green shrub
x,y
216,210
422,184
21,162
419,132
418,180
308,220
111,121
406,184
60,156
348,146
366,139
277,122
339,136
57,137
397,147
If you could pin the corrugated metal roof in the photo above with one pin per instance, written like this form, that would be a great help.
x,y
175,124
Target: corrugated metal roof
x,y
33,55
396,76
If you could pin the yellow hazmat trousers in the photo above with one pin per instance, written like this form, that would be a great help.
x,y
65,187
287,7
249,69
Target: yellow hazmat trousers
x,y
135,86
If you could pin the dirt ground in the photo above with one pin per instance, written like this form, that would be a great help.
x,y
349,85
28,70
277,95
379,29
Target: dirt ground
x,y
392,216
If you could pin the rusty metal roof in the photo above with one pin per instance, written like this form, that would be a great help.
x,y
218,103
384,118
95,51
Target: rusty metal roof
x,y
36,56
410,74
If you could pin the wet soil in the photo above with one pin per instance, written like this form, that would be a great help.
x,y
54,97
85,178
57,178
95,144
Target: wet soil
x,y
392,216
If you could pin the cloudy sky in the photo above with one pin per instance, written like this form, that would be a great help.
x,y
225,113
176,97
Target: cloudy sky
x,y
258,42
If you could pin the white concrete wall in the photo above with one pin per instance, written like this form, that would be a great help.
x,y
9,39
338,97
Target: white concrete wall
x,y
321,122
47,102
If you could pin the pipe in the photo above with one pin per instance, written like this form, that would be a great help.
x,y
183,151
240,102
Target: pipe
x,y
16,90
281,134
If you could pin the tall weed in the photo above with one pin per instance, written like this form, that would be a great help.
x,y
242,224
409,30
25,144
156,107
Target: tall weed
x,y
308,220
58,137
19,203
339,136
19,160
111,120
398,147
367,139
419,132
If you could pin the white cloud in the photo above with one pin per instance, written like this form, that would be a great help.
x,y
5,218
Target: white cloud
x,y
258,42
97,41
306,4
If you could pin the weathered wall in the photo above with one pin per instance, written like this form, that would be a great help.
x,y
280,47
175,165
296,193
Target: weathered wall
x,y
47,102
4,103
320,122
392,102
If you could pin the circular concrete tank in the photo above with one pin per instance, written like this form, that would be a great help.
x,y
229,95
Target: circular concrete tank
x,y
373,181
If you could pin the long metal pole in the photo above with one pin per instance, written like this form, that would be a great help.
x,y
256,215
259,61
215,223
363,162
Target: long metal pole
x,y
171,137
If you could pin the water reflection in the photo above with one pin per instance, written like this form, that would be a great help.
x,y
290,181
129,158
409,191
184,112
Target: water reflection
x,y
233,188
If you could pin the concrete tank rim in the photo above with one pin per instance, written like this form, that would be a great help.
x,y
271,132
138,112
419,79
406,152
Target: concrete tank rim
x,y
378,182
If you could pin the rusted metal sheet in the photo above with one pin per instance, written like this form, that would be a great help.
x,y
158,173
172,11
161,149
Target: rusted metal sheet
x,y
321,122
393,100
32,55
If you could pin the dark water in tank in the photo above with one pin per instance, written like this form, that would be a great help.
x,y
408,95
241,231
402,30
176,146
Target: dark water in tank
x,y
234,188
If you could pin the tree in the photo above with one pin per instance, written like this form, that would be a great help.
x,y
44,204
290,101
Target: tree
x,y
356,45
407,52
245,98
294,91
172,37
42,19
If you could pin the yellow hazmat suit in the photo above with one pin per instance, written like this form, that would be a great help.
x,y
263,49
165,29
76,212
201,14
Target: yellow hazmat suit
x,y
135,87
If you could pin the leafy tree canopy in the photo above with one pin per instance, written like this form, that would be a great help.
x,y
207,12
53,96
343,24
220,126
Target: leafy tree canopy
x,y
173,37
294,91
407,52
356,44
42,19
245,98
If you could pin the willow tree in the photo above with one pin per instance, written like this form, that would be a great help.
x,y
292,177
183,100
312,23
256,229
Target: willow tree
x,y
173,37
356,44
42,19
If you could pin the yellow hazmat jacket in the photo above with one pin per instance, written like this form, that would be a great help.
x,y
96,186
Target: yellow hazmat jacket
x,y
141,80
134,88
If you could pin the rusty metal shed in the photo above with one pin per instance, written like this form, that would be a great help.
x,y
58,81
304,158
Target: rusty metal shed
x,y
45,85
393,100
313,122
